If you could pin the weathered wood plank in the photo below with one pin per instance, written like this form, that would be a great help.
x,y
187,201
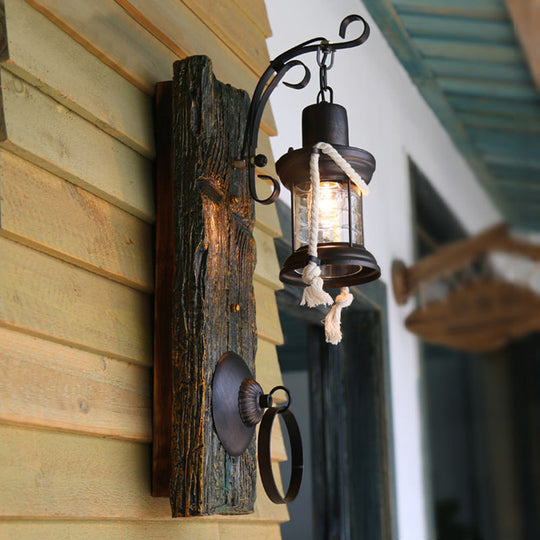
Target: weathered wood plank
x,y
54,216
44,296
60,475
141,40
63,69
233,26
214,257
49,385
49,135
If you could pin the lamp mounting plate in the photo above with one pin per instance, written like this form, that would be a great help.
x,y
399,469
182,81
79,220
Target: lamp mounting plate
x,y
234,435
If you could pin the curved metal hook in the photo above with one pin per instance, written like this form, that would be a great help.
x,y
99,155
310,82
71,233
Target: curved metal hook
x,y
275,191
268,82
260,97
307,76
343,30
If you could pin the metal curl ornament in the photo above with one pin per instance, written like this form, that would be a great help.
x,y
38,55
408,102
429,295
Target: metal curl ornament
x,y
266,85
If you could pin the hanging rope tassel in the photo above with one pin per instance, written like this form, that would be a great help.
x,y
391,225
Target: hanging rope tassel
x,y
314,295
332,322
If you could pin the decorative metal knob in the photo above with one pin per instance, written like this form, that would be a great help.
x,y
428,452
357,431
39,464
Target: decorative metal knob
x,y
249,405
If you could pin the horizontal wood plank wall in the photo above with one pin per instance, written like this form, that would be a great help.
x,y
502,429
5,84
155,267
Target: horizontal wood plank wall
x,y
69,146
47,213
141,39
53,474
62,68
76,245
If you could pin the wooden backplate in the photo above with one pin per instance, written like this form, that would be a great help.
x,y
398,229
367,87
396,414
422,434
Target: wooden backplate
x,y
205,262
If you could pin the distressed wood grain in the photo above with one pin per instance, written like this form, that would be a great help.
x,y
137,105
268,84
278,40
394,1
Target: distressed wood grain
x,y
214,257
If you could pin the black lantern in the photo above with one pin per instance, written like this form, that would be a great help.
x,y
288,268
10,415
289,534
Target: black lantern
x,y
341,255
343,259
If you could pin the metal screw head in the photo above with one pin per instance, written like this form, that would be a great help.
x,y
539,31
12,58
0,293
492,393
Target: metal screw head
x,y
261,160
235,308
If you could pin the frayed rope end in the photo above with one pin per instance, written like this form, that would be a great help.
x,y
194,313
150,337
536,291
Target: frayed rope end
x,y
332,322
314,295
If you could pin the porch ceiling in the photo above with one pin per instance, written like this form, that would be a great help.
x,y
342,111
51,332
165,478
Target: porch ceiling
x,y
465,58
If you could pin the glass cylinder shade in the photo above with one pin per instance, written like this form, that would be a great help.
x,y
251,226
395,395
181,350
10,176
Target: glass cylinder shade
x,y
341,255
340,213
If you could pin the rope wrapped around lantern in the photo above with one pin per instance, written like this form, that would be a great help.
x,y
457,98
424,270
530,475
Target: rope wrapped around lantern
x,y
314,293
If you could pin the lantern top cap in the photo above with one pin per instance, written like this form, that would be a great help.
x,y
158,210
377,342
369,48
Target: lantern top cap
x,y
325,122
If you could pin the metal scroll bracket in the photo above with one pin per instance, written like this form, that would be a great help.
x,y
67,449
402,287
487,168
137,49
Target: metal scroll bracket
x,y
238,405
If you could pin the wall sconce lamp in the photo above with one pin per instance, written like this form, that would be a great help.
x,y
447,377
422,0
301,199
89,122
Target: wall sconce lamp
x,y
343,259
206,401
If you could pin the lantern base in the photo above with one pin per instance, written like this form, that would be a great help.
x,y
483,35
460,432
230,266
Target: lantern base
x,y
341,265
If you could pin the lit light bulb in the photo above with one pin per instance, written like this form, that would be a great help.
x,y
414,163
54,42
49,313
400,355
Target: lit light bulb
x,y
333,214
330,210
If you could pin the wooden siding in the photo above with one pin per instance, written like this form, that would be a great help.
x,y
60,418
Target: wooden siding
x,y
76,245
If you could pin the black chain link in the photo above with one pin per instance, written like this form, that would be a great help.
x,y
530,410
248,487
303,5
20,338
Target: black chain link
x,y
324,52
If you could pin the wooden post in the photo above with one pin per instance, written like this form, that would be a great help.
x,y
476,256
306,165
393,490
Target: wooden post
x,y
213,306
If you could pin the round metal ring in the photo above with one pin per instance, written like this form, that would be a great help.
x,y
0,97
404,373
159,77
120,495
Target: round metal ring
x,y
265,464
281,408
